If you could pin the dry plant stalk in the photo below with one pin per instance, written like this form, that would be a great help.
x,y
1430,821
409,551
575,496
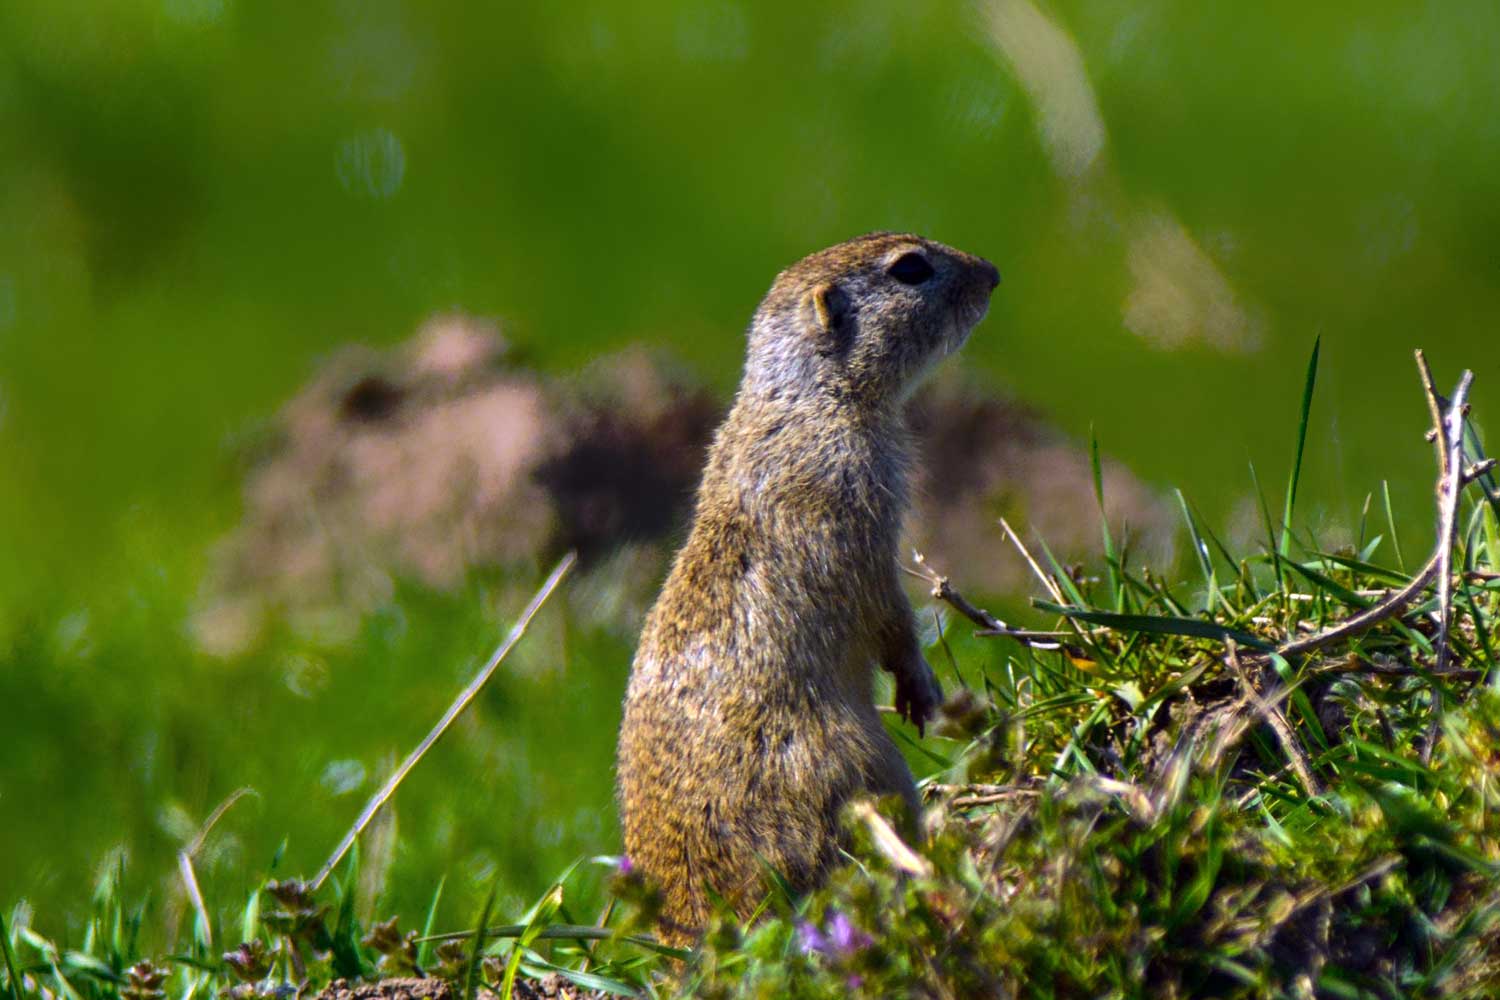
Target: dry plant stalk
x,y
459,704
1448,418
186,854
889,843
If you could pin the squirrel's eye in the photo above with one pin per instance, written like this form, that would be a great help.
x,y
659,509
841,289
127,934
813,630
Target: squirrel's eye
x,y
910,269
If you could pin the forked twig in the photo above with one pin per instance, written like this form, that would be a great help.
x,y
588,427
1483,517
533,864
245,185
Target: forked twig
x,y
459,704
1447,434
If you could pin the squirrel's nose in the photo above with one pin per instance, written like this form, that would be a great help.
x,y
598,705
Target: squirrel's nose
x,y
989,271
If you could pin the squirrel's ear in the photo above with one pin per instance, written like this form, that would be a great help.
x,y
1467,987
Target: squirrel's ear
x,y
830,306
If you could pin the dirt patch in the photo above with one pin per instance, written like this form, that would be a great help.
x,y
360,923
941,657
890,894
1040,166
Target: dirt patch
x,y
553,987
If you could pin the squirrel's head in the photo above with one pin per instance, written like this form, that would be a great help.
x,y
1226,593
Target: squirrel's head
x,y
863,320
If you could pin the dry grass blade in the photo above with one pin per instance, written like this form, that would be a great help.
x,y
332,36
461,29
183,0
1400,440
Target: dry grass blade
x,y
1047,581
889,843
459,704
196,844
185,860
195,894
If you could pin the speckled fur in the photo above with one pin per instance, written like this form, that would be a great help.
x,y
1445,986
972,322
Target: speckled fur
x,y
749,719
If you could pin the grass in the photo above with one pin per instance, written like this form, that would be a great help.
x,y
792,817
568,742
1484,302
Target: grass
x,y
185,250
1161,801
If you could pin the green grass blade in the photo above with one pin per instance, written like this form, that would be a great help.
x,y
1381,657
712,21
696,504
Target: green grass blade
x,y
1478,521
542,912
1390,522
1487,480
1329,585
1060,573
63,986
1208,533
1111,558
250,919
424,953
476,953
539,967
1156,624
923,749
1265,514
1291,486
1364,522
13,978
1200,552
1384,574
570,932
1173,686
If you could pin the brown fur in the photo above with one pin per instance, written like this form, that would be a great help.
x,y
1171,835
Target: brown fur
x,y
749,719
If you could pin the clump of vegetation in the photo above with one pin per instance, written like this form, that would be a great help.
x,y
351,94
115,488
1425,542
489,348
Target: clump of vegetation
x,y
1279,781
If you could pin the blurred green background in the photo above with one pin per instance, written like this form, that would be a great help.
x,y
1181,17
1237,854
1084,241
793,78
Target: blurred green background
x,y
200,199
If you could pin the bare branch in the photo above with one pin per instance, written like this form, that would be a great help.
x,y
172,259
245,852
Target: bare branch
x,y
1451,486
1353,664
1448,514
1372,615
1478,469
943,591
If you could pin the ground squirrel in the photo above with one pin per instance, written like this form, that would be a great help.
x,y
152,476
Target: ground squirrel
x,y
749,719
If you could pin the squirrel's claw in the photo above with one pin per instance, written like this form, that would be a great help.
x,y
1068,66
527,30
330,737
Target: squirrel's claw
x,y
918,695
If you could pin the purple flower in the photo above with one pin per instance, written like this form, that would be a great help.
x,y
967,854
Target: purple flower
x,y
845,937
810,939
624,866
842,940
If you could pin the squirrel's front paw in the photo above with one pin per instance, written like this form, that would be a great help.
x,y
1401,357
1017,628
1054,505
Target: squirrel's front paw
x,y
918,693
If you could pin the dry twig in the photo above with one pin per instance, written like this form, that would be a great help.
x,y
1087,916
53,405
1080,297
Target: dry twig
x,y
1271,712
1447,433
989,625
1354,664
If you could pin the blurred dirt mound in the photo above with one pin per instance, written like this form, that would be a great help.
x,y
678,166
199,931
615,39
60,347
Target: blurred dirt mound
x,y
983,458
445,455
442,456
